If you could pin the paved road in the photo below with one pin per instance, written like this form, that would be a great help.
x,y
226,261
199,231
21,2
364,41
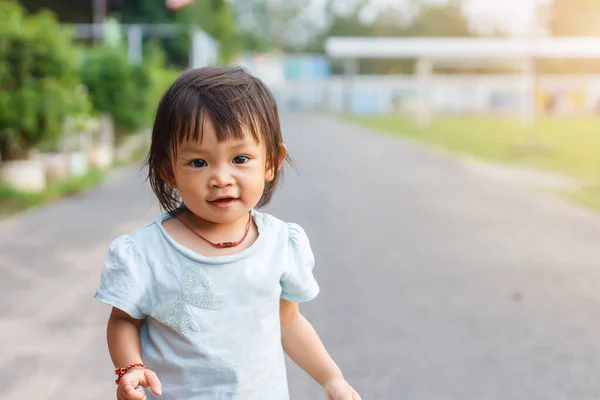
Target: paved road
x,y
437,283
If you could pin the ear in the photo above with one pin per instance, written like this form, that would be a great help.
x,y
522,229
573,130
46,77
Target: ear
x,y
270,173
167,177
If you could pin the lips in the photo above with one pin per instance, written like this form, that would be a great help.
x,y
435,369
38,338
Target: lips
x,y
223,201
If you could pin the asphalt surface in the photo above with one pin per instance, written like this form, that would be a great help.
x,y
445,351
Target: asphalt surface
x,y
436,283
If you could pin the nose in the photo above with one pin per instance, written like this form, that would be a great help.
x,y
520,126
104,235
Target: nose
x,y
221,177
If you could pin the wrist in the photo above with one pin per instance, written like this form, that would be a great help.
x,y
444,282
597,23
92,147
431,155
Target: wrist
x,y
333,376
124,370
135,369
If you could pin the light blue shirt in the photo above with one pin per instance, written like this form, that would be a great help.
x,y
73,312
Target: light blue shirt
x,y
212,329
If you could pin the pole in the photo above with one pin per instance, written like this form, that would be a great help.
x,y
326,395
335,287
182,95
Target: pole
x,y
350,72
98,14
424,72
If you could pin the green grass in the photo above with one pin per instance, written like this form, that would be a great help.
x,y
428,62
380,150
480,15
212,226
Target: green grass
x,y
12,201
566,145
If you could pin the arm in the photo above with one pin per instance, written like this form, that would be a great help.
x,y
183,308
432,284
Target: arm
x,y
303,345
123,337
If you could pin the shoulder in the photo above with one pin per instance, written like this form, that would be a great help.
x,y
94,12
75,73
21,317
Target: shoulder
x,y
148,234
139,240
290,231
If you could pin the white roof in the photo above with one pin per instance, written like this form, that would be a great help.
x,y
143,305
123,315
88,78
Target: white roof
x,y
458,48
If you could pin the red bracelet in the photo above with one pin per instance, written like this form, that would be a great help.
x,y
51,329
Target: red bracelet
x,y
122,371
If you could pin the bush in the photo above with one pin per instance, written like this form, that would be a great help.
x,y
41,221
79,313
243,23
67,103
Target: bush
x,y
38,79
126,91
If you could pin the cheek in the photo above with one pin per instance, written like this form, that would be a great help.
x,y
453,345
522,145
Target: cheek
x,y
189,181
253,179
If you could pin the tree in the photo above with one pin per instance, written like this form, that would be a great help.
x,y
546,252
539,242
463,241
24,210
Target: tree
x,y
347,24
126,91
284,25
216,17
65,10
38,79
412,20
446,20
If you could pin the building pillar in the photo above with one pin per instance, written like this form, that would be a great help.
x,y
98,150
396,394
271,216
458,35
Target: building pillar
x,y
350,71
424,72
528,91
134,43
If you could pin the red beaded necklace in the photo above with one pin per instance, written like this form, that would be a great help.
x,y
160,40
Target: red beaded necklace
x,y
223,245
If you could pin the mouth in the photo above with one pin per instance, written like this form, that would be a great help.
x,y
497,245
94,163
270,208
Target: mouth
x,y
223,201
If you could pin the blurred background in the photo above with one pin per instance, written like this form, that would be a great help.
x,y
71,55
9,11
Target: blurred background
x,y
449,159
80,81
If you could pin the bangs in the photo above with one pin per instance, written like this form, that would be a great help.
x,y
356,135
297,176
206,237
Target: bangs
x,y
232,111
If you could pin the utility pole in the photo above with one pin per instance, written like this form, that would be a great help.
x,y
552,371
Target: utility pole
x,y
98,14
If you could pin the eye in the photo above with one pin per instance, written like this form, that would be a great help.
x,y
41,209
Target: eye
x,y
197,163
241,160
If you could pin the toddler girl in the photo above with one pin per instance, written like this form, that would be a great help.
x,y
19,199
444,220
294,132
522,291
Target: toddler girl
x,y
205,298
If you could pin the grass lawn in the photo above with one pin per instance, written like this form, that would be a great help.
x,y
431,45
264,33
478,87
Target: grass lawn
x,y
566,145
12,201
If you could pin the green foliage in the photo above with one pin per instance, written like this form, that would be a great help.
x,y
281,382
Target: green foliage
x,y
447,20
426,20
66,10
216,17
128,92
252,41
38,79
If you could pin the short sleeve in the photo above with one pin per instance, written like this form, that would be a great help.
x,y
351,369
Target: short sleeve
x,y
298,283
123,281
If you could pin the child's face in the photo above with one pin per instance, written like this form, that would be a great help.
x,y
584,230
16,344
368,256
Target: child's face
x,y
220,182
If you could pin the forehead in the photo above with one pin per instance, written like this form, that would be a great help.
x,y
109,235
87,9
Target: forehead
x,y
195,124
209,136
208,145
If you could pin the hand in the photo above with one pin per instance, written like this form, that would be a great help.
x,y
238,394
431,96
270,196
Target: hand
x,y
134,377
339,389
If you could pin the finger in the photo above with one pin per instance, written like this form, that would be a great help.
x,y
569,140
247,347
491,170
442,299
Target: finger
x,y
140,389
132,394
341,396
355,396
153,381
346,394
129,381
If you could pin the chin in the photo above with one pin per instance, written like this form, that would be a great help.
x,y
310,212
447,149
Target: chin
x,y
220,216
226,218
